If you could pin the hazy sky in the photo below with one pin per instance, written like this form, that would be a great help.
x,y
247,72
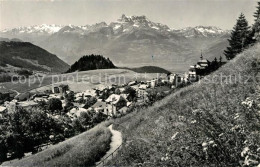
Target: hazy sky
x,y
174,13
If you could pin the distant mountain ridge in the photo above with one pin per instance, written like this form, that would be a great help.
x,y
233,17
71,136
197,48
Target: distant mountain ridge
x,y
28,56
8,40
148,69
127,40
202,31
37,29
122,24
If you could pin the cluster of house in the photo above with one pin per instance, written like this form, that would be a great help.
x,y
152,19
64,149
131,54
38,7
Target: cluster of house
x,y
201,68
116,103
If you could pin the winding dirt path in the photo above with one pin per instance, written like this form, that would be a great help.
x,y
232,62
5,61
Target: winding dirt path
x,y
116,141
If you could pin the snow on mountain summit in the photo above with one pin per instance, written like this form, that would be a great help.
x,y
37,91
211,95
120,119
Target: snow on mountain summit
x,y
210,29
201,31
48,28
39,29
137,22
125,24
140,19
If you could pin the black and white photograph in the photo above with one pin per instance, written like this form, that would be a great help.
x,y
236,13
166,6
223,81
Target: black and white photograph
x,y
129,83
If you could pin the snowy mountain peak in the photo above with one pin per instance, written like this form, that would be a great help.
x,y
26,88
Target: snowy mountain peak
x,y
129,22
39,29
125,24
140,19
202,31
124,18
210,29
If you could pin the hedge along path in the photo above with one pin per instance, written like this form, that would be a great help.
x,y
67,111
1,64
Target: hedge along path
x,y
116,143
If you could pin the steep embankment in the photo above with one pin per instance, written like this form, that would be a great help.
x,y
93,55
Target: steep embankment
x,y
214,122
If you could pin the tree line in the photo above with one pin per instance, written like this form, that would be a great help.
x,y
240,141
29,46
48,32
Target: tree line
x,y
242,35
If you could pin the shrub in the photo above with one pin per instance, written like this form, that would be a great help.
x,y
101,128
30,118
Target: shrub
x,y
54,104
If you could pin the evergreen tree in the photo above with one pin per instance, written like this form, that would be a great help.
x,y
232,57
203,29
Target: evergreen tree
x,y
257,29
213,65
257,13
256,26
215,60
239,38
220,60
250,39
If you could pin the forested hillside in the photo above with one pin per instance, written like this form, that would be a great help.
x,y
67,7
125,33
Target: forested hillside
x,y
91,62
28,56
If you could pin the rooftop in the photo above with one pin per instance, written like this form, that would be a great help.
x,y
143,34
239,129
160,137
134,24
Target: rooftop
x,y
27,103
99,104
203,61
114,98
2,108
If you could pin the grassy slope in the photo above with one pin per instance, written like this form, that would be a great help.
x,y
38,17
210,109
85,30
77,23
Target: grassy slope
x,y
82,150
172,131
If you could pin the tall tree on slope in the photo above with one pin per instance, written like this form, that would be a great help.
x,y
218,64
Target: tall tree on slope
x,y
239,38
256,26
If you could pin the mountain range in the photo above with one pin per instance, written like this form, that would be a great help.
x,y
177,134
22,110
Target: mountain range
x,y
130,41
